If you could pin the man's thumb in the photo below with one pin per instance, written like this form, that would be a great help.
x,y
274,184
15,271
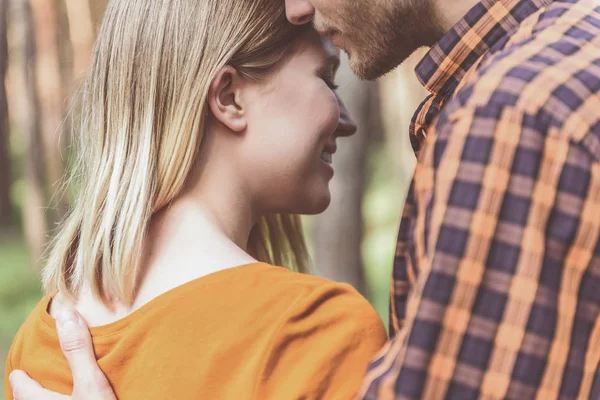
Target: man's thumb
x,y
75,341
76,344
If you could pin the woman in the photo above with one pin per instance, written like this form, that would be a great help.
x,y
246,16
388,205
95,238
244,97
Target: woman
x,y
206,126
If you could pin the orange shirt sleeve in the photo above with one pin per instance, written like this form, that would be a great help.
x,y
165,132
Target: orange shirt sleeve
x,y
323,347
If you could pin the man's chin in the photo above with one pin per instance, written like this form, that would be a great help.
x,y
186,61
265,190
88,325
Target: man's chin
x,y
372,65
365,70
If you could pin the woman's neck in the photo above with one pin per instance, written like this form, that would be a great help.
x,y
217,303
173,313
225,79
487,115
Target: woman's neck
x,y
215,194
194,237
205,230
201,233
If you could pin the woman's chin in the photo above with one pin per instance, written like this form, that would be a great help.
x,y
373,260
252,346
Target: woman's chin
x,y
310,201
318,204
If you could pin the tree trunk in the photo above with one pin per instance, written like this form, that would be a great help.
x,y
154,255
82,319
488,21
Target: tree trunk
x,y
5,169
81,34
339,231
35,224
97,8
52,98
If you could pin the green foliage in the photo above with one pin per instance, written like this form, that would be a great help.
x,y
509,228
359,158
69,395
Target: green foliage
x,y
19,293
382,207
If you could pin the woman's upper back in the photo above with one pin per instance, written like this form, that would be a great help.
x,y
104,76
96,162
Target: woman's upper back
x,y
255,331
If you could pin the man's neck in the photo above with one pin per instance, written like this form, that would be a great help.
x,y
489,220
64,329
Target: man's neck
x,y
449,12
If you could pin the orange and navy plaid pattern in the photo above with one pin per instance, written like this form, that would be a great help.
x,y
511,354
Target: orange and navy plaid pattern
x,y
496,285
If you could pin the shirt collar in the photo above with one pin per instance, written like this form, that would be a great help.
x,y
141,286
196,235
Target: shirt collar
x,y
488,22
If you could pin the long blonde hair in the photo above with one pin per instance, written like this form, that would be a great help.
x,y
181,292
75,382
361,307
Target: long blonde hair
x,y
143,120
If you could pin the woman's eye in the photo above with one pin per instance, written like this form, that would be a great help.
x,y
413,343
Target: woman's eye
x,y
332,85
329,80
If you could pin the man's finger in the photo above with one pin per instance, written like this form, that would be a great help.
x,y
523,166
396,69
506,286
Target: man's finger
x,y
25,388
76,344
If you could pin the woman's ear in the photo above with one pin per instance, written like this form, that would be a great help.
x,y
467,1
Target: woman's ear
x,y
224,99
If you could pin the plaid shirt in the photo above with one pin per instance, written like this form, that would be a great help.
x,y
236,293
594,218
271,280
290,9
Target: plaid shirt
x,y
496,284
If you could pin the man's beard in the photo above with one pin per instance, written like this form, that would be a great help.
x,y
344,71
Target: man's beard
x,y
384,35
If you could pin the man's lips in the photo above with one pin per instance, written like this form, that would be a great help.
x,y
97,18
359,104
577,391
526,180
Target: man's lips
x,y
336,39
327,32
333,34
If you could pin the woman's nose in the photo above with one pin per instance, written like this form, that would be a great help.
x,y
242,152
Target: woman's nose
x,y
299,12
346,126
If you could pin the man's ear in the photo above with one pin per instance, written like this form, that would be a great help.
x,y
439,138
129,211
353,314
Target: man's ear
x,y
224,99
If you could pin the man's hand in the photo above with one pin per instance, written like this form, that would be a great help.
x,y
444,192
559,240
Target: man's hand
x,y
89,382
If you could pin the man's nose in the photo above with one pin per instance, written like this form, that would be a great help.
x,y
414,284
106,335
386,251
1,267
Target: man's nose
x,y
299,12
346,126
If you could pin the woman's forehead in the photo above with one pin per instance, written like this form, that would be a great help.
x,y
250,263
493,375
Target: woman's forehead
x,y
320,45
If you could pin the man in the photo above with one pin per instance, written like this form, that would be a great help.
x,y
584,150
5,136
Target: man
x,y
496,286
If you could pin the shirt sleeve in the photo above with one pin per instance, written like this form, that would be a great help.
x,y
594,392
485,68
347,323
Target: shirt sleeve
x,y
505,235
323,347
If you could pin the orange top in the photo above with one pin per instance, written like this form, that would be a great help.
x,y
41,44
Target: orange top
x,y
251,332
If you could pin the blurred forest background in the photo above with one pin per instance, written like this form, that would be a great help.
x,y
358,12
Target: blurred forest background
x,y
45,47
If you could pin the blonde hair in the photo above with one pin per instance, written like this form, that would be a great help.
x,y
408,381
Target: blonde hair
x,y
143,119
